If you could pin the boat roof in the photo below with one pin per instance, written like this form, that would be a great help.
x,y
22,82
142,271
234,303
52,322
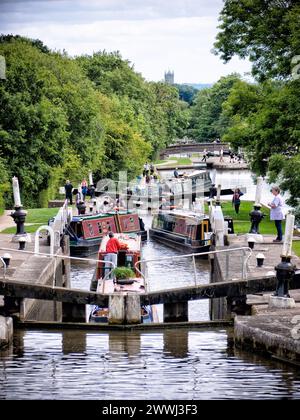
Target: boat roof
x,y
185,214
197,173
132,240
80,218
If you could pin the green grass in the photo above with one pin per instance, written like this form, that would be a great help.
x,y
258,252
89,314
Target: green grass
x,y
296,247
28,229
38,216
173,161
242,220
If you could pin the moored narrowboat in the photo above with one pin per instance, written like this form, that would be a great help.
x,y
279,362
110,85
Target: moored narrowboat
x,y
86,231
184,230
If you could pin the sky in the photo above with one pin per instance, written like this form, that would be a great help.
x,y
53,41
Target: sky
x,y
154,35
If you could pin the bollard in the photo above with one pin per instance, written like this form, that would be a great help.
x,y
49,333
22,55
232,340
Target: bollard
x,y
256,216
6,258
260,260
19,216
22,243
285,271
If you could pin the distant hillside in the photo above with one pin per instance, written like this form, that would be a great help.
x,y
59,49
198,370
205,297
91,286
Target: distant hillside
x,y
199,86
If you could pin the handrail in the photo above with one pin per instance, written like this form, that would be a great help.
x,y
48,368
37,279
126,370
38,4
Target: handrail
x,y
43,255
219,251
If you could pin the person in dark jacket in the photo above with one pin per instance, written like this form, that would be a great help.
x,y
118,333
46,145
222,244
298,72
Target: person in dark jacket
x,y
236,202
212,191
68,190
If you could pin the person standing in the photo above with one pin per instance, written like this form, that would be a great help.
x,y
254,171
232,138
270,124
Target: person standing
x,y
204,157
68,191
80,204
212,191
152,169
221,155
112,248
236,202
84,188
176,174
276,212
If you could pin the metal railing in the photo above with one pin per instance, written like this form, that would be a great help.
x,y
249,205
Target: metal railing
x,y
55,256
245,259
62,218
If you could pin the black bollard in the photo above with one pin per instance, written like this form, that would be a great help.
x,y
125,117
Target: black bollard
x,y
285,271
19,216
256,217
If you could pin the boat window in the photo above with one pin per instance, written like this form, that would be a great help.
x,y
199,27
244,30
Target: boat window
x,y
91,230
99,228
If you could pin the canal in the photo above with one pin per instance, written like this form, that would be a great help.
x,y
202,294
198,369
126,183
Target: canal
x,y
163,364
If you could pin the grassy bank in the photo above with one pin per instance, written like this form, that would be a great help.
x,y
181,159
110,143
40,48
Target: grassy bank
x,y
296,247
37,218
174,161
242,220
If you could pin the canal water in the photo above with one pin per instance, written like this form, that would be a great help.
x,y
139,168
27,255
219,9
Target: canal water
x,y
161,364
164,364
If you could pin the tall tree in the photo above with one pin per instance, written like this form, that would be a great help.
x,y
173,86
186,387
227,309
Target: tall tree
x,y
266,31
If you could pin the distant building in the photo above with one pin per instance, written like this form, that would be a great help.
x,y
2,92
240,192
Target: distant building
x,y
169,77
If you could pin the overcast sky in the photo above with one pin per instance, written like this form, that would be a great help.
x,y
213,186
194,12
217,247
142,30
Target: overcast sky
x,y
155,35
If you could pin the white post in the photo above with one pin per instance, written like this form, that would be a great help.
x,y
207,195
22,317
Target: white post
x,y
16,192
91,178
288,236
258,194
211,216
36,239
218,193
219,226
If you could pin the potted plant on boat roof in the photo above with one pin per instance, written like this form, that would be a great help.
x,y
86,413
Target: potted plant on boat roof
x,y
124,275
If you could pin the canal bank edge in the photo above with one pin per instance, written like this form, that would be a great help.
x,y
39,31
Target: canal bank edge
x,y
273,335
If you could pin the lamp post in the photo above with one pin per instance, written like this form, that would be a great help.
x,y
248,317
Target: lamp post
x,y
19,216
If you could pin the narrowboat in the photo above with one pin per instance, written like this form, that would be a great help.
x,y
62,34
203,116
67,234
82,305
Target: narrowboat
x,y
86,231
184,230
148,197
129,256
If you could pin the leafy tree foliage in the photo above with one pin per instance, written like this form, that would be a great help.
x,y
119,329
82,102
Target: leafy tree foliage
x,y
60,117
266,31
264,118
207,120
187,93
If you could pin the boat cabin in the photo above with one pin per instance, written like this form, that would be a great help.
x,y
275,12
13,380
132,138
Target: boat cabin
x,y
184,229
86,231
127,257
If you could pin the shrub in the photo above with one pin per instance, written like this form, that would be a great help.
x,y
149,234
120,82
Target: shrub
x,y
123,273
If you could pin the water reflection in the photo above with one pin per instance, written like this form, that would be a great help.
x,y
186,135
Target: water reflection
x,y
164,364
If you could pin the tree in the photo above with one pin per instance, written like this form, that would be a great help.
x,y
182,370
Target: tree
x,y
47,108
207,120
266,31
187,93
